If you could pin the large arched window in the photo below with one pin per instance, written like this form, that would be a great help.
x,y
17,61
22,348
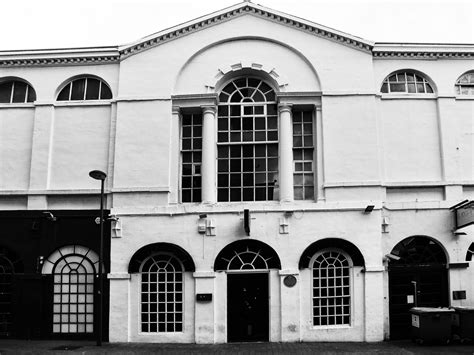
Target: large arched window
x,y
73,268
470,252
161,294
247,141
85,88
16,91
465,84
331,278
406,82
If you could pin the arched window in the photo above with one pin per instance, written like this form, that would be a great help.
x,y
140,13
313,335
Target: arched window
x,y
470,253
331,276
406,82
9,265
73,268
161,294
85,88
247,141
16,91
247,255
465,84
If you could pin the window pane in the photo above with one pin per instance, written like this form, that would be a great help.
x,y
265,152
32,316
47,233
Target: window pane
x,y
31,94
5,92
78,87
105,93
19,92
92,89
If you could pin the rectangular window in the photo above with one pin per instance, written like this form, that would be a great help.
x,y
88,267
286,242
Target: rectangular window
x,y
247,152
303,155
191,154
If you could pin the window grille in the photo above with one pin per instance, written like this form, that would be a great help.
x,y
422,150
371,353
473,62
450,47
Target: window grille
x,y
161,294
465,84
7,271
15,91
331,288
303,152
73,297
85,89
191,155
247,138
406,82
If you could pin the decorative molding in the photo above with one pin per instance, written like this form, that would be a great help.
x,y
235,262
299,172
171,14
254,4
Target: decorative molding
x,y
424,51
239,10
43,58
112,55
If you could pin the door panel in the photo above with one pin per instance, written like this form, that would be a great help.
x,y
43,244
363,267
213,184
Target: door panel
x,y
431,291
247,307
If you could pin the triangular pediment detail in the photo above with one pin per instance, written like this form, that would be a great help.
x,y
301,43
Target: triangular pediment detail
x,y
241,9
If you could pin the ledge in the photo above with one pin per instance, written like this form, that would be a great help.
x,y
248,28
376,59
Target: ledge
x,y
204,275
119,276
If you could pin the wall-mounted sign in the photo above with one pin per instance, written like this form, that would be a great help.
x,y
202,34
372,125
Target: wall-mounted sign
x,y
459,295
289,281
463,214
204,297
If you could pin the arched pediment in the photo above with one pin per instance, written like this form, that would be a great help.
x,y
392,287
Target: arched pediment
x,y
284,65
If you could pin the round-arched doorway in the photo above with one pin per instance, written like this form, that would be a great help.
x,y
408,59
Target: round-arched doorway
x,y
418,277
247,263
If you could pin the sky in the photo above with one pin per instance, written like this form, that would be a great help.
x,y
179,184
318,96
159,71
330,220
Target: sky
x,y
34,24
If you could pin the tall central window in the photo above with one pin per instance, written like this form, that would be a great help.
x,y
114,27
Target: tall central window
x,y
247,139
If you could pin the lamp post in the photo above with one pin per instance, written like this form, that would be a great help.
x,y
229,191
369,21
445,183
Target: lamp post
x,y
100,175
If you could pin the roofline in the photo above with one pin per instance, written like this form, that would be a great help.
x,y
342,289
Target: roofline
x,y
113,54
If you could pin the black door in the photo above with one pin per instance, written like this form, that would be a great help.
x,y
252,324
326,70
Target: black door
x,y
427,286
247,307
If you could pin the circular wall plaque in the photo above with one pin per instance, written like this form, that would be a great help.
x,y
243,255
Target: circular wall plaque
x,y
289,281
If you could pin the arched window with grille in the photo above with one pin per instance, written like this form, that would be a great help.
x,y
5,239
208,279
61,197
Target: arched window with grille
x,y
161,294
331,287
407,82
247,141
85,88
465,84
73,268
16,91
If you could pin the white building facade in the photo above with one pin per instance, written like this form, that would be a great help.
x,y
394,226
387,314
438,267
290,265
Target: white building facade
x,y
260,170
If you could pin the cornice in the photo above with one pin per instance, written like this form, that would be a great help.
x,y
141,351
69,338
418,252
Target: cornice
x,y
239,10
59,57
427,51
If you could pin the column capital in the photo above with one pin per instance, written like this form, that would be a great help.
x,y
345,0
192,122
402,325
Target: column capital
x,y
317,108
284,107
208,109
175,110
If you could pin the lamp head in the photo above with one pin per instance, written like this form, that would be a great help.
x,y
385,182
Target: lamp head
x,y
97,175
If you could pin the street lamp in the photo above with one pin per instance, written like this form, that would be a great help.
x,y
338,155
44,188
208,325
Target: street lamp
x,y
100,175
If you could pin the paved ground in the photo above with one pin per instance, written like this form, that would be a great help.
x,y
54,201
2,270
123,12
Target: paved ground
x,y
81,347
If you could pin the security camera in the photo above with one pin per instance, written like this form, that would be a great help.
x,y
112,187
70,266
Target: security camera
x,y
49,216
392,257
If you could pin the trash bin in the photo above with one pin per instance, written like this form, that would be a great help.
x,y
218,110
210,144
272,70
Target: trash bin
x,y
463,323
431,324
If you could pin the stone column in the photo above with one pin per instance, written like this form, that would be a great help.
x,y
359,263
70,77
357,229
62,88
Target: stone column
x,y
204,317
41,155
319,155
209,156
285,150
174,156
